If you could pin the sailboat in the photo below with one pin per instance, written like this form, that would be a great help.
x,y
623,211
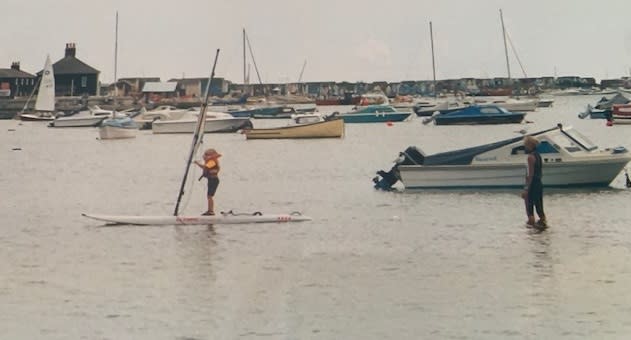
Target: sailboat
x,y
178,219
45,101
117,126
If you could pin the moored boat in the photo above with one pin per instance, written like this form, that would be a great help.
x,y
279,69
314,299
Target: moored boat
x,y
604,107
479,114
328,128
215,122
87,118
514,104
440,107
271,111
45,100
619,115
118,128
569,160
374,114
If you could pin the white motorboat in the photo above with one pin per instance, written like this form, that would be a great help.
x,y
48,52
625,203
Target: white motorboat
x,y
440,106
215,122
545,102
515,104
87,118
163,112
569,160
81,119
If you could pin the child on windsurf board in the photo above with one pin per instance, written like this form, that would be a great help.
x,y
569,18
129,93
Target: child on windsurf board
x,y
210,169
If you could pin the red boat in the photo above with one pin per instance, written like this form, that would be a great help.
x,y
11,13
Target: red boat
x,y
328,101
622,111
495,92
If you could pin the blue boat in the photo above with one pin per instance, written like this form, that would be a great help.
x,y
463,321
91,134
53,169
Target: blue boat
x,y
479,114
278,111
594,113
374,114
604,107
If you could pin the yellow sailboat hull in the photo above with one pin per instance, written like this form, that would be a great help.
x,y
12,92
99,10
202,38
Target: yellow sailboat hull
x,y
325,129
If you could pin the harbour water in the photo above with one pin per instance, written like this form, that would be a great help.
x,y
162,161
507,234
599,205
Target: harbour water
x,y
370,265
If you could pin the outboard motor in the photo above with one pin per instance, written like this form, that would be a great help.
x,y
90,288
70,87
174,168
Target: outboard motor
x,y
386,179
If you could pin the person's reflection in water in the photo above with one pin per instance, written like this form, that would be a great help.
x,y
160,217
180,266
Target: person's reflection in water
x,y
544,286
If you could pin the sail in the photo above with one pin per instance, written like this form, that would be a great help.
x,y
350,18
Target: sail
x,y
45,100
198,135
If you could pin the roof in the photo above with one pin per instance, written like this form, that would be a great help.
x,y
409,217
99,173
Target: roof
x,y
159,87
72,65
146,79
12,73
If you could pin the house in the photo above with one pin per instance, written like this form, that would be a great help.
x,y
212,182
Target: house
x,y
136,84
156,91
196,87
73,77
15,82
121,88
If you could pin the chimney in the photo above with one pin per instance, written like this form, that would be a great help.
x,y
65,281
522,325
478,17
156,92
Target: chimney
x,y
15,65
71,50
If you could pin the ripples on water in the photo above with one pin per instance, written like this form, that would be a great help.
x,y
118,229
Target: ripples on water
x,y
371,265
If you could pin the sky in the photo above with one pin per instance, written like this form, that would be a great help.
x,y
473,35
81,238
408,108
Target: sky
x,y
335,40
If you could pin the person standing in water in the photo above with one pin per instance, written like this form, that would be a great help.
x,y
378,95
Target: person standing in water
x,y
211,172
533,189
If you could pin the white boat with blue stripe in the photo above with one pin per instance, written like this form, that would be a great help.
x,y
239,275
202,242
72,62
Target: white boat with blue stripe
x,y
569,160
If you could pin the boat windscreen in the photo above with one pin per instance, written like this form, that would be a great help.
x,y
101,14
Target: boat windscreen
x,y
465,156
580,139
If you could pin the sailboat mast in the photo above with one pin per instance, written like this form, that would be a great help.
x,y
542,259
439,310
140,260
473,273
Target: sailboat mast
x,y
115,66
245,80
505,45
198,135
302,70
431,38
254,61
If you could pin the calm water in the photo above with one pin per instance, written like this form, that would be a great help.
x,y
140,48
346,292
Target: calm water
x,y
371,265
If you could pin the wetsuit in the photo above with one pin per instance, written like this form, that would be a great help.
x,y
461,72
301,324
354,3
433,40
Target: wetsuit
x,y
534,198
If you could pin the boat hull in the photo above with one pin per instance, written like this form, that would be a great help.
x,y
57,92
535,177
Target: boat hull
x,y
567,174
513,118
116,132
529,105
326,129
77,121
210,126
36,117
375,117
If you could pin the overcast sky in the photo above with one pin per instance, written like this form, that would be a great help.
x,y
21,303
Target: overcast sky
x,y
340,40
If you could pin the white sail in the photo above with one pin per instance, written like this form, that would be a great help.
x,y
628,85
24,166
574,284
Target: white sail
x,y
46,93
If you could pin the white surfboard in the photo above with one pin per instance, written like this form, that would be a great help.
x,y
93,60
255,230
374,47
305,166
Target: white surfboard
x,y
223,218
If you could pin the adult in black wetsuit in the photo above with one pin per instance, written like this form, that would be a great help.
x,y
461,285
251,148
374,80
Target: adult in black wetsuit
x,y
533,190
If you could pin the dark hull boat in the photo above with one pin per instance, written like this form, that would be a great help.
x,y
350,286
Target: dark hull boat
x,y
486,114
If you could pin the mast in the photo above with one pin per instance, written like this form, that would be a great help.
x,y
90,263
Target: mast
x,y
431,35
505,45
198,135
254,61
31,95
115,67
302,70
245,79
